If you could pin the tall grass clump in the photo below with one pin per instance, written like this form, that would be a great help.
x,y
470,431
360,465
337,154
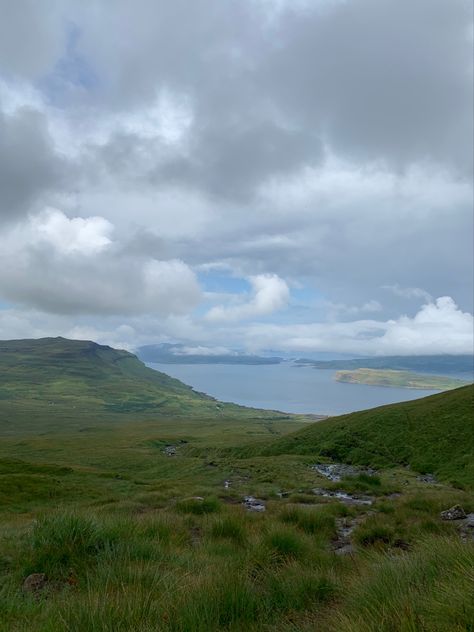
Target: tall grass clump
x,y
429,590
198,506
62,542
115,604
230,527
214,602
312,521
284,543
295,588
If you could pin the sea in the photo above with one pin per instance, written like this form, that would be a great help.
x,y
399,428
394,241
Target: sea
x,y
285,387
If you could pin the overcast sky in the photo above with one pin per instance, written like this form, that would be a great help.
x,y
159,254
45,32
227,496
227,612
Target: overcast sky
x,y
252,174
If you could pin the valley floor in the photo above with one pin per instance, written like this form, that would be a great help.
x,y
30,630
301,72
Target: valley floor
x,y
142,527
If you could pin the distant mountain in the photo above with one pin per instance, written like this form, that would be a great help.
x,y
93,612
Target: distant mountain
x,y
434,434
167,353
442,364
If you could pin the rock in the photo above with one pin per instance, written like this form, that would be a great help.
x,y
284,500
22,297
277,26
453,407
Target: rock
x,y
453,513
170,450
226,484
253,504
35,583
427,478
342,545
467,528
348,499
336,471
196,535
345,549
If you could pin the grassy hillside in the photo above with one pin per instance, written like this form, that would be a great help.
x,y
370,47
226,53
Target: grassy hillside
x,y
55,383
434,434
130,536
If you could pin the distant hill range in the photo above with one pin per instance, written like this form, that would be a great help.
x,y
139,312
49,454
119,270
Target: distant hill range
x,y
167,353
442,364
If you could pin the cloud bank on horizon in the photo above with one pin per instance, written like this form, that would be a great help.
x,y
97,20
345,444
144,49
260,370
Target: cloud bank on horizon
x,y
245,174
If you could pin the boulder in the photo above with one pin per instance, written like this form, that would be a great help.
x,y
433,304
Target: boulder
x,y
34,583
253,504
453,513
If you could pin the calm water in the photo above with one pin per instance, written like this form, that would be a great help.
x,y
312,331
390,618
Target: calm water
x,y
285,387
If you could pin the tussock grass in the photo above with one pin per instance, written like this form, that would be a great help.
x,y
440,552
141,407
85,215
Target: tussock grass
x,y
313,521
285,543
198,506
61,542
230,527
429,590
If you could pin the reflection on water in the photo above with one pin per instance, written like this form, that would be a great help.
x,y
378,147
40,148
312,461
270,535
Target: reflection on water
x,y
285,387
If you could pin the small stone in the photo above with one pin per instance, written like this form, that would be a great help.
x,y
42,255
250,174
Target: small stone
x,y
253,504
453,513
427,478
345,549
35,582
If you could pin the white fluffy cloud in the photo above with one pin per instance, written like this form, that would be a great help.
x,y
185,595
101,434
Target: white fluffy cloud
x,y
438,327
269,293
80,236
71,265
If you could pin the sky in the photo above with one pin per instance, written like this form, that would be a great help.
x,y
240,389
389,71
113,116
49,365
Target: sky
x,y
238,174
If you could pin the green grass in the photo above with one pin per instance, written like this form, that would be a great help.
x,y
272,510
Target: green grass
x,y
119,528
434,434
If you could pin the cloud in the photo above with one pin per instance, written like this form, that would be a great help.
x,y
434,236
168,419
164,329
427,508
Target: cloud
x,y
326,141
408,292
270,293
438,327
29,164
38,28
68,236
72,266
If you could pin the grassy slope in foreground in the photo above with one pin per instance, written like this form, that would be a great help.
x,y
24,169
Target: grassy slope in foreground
x,y
398,379
434,434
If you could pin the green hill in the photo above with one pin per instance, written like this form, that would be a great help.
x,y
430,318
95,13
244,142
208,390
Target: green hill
x,y
434,434
55,382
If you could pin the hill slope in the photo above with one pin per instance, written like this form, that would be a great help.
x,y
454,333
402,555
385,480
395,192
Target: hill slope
x,y
55,381
434,434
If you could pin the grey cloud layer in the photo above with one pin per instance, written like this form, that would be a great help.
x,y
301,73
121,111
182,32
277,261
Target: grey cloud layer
x,y
29,165
328,142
